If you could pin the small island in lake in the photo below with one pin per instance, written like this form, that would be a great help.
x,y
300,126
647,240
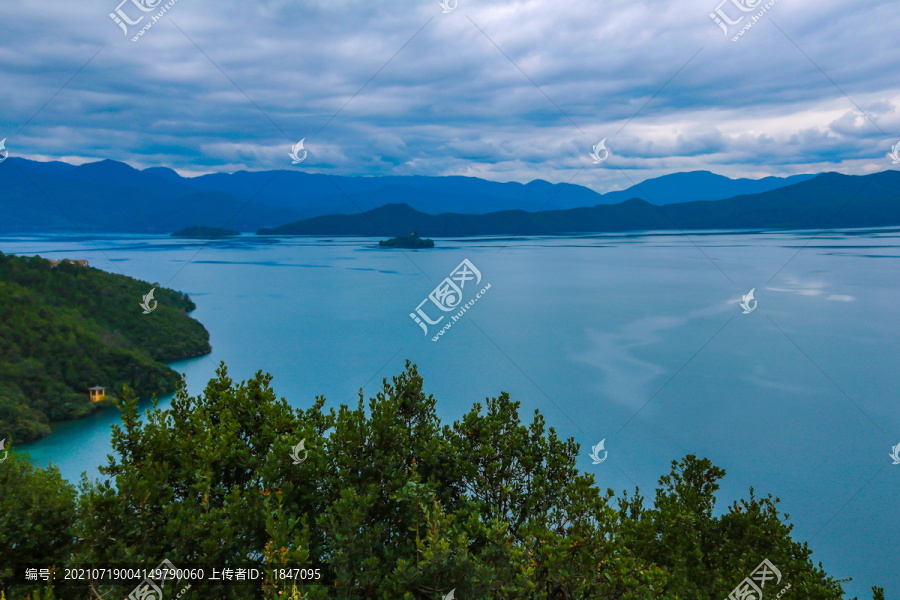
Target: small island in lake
x,y
205,233
407,241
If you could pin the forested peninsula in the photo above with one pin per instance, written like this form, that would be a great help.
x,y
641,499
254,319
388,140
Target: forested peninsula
x,y
66,327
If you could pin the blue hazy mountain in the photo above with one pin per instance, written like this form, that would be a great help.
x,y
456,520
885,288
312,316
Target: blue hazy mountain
x,y
698,185
319,194
830,200
328,194
112,196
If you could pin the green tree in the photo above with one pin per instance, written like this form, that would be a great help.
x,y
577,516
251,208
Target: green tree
x,y
208,481
65,329
389,503
707,556
37,518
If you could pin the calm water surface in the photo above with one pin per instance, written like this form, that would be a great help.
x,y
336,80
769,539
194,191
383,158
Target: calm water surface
x,y
635,339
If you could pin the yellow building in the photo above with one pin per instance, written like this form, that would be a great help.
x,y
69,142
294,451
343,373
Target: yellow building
x,y
97,393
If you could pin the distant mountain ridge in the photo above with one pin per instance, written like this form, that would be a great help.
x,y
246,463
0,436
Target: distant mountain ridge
x,y
330,194
829,200
111,196
698,185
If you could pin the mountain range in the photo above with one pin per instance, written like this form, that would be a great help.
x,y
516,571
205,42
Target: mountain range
x,y
110,196
830,200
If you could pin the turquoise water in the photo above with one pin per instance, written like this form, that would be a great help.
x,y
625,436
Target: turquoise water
x,y
635,339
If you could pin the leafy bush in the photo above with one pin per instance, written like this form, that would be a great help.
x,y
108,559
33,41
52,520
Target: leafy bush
x,y
389,503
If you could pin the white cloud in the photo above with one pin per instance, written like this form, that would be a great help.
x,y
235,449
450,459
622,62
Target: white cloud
x,y
450,101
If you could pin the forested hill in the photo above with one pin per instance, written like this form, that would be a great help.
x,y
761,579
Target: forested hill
x,y
67,328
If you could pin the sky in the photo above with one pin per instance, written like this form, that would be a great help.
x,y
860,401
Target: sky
x,y
504,90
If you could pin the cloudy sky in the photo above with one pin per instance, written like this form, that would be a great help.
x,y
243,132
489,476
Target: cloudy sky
x,y
505,90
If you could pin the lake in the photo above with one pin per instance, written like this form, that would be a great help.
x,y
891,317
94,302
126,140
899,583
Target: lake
x,y
635,339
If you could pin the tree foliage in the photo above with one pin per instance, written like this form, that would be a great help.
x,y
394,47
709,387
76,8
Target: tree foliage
x,y
37,516
67,328
389,503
